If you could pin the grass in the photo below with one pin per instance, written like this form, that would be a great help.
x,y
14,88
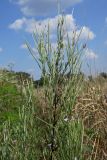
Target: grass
x,y
65,119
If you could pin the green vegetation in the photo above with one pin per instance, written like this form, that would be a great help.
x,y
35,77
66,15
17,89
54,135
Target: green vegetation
x,y
64,117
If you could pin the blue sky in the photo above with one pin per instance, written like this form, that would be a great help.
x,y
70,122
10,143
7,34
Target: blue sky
x,y
18,19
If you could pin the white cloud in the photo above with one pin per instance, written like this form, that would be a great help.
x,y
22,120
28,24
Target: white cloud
x,y
30,25
18,24
42,7
1,49
86,33
90,54
34,50
23,46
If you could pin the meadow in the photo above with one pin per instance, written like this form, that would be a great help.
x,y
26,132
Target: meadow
x,y
61,117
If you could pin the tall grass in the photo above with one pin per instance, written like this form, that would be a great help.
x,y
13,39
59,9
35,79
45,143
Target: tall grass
x,y
60,69
55,134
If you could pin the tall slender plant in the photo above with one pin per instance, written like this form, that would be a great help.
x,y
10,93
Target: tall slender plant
x,y
60,68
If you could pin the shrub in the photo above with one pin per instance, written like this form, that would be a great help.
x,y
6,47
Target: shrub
x,y
103,74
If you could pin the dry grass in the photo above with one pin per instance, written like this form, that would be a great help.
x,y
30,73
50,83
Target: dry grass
x,y
91,107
